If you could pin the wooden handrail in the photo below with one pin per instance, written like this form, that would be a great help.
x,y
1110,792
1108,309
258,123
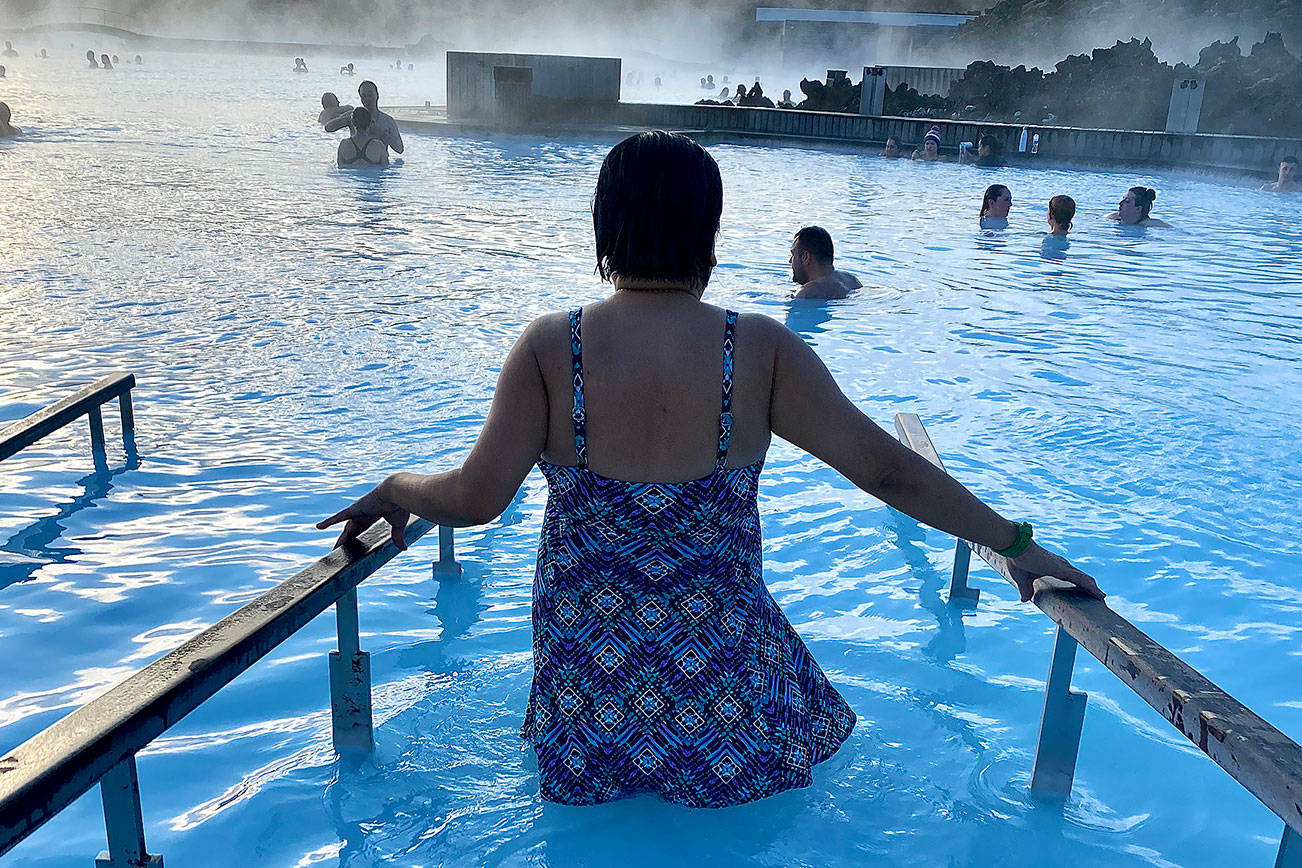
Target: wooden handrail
x,y
19,435
1265,761
42,776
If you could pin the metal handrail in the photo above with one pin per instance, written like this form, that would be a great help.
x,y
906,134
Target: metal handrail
x,y
86,402
98,742
1265,762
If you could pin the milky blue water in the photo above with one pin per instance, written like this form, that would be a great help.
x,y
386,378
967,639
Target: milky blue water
x,y
300,331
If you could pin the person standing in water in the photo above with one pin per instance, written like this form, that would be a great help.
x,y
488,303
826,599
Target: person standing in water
x,y
995,205
362,148
331,109
104,62
1135,207
1287,181
90,57
383,127
10,51
892,149
661,662
812,268
1062,210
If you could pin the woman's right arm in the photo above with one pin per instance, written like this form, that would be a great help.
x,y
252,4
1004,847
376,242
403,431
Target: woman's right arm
x,y
809,410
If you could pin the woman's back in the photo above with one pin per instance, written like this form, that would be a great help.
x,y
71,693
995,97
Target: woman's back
x,y
653,376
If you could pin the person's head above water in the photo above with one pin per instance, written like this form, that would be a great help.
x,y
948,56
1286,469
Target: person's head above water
x,y
931,142
1288,170
988,146
892,148
369,94
104,60
329,100
360,120
996,202
90,55
4,114
811,254
655,212
1136,205
1062,210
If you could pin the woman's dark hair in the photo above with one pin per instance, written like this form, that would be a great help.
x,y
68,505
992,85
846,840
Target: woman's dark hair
x,y
1144,198
1063,210
360,118
989,141
993,192
656,210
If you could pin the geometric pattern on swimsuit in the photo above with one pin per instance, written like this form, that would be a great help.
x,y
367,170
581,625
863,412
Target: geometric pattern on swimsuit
x,y
661,662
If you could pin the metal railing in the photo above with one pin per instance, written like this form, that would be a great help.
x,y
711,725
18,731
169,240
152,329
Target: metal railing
x,y
98,742
1262,759
87,402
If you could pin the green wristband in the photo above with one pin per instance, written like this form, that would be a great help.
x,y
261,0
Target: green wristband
x,y
1021,544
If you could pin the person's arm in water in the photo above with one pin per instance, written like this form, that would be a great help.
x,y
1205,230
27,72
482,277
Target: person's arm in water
x,y
479,490
809,410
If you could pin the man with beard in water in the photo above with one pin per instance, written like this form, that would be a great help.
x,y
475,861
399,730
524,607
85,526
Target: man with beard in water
x,y
383,126
811,266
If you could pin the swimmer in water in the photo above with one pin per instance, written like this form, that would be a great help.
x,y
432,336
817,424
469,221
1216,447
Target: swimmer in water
x,y
90,56
1062,210
930,150
104,62
300,65
1135,207
139,60
116,61
811,266
2,71
786,102
331,109
1287,181
9,50
7,129
995,205
383,126
362,148
45,55
410,67
892,150
346,69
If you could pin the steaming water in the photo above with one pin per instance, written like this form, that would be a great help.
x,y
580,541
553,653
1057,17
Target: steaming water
x,y
299,331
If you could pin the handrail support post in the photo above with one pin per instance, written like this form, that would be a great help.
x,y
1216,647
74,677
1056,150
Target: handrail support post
x,y
960,592
120,791
128,421
350,683
1058,743
446,567
96,419
1290,849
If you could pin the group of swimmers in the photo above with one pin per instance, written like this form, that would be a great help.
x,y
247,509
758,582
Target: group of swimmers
x,y
371,132
106,62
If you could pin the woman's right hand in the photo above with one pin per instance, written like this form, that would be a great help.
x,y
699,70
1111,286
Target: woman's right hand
x,y
1037,561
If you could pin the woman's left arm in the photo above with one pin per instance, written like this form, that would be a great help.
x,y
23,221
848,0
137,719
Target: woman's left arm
x,y
482,487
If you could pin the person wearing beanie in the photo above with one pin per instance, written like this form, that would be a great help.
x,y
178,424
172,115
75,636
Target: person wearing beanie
x,y
930,150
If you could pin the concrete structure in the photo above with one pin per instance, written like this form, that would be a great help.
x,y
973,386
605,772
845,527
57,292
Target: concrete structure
x,y
888,35
522,88
1186,106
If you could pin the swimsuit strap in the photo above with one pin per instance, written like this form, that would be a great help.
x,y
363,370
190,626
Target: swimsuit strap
x,y
725,416
579,414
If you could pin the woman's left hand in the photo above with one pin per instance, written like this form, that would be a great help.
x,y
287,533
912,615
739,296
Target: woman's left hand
x,y
364,512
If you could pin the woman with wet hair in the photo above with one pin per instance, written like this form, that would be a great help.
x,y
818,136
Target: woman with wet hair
x,y
661,662
995,205
1135,207
361,148
1062,210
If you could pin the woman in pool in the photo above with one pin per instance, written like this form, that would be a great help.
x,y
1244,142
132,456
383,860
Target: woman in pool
x,y
1135,207
995,205
361,148
1062,210
930,150
661,662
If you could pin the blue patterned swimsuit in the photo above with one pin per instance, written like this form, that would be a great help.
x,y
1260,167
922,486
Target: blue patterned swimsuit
x,y
661,662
